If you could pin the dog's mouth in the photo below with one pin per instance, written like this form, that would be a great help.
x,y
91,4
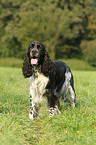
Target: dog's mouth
x,y
34,61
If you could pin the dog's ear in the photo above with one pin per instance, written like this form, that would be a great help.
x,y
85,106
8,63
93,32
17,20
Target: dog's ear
x,y
47,67
27,67
28,52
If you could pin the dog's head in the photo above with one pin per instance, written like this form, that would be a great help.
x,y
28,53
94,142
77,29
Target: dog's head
x,y
36,53
37,56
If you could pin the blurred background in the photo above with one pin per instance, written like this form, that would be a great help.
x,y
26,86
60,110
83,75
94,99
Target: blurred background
x,y
66,27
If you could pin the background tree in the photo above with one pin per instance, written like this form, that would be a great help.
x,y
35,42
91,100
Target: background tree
x,y
62,25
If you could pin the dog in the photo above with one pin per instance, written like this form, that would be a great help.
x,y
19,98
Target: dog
x,y
52,79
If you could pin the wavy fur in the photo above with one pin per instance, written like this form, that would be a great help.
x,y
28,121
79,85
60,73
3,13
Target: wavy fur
x,y
47,68
27,67
47,78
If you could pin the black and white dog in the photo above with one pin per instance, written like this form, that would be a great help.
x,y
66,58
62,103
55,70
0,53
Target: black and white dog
x,y
47,78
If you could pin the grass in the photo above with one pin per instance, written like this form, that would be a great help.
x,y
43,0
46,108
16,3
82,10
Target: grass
x,y
11,62
75,64
72,127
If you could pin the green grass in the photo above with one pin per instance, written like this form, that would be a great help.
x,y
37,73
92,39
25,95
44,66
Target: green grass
x,y
72,127
75,64
11,62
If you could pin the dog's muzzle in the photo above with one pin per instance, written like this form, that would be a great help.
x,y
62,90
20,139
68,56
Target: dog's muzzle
x,y
34,61
34,56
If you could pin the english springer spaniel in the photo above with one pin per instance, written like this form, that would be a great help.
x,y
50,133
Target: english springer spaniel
x,y
47,78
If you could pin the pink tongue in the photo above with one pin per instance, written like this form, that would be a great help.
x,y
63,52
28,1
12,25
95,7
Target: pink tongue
x,y
33,61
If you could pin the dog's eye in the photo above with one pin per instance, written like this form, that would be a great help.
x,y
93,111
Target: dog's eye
x,y
33,45
38,46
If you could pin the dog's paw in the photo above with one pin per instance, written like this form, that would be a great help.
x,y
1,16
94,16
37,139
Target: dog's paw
x,y
53,111
30,115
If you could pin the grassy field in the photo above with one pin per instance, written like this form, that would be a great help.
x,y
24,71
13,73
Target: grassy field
x,y
75,64
72,127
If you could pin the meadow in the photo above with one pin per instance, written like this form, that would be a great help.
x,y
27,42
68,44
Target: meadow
x,y
74,126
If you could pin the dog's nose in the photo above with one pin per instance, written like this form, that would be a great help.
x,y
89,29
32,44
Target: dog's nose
x,y
34,50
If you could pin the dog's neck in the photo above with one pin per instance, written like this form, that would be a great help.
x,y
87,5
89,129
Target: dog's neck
x,y
36,70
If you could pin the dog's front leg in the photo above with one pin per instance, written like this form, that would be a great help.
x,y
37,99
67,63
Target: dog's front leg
x,y
34,103
51,102
34,108
31,112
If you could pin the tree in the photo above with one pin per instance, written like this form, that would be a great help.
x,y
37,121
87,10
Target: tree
x,y
72,27
8,15
89,51
60,24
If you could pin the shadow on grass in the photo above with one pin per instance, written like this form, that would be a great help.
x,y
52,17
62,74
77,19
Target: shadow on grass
x,y
66,106
4,109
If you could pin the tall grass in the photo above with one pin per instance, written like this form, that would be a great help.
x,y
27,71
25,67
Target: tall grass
x,y
75,64
72,127
11,62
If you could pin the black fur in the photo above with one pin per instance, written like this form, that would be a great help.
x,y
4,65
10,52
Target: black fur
x,y
55,70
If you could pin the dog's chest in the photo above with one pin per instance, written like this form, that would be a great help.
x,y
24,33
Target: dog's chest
x,y
38,85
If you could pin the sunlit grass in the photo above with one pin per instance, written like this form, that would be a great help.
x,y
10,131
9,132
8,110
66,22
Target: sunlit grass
x,y
72,127
11,62
75,64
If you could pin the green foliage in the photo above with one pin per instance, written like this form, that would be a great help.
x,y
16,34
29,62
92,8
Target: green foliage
x,y
89,51
72,126
92,26
60,24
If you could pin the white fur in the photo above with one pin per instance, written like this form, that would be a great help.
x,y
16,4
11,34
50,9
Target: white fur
x,y
67,92
30,116
37,89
